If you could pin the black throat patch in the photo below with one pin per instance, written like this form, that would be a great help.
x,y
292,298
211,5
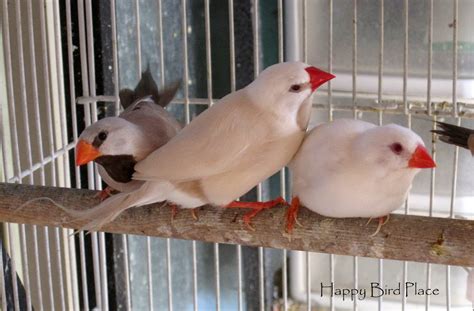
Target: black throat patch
x,y
119,167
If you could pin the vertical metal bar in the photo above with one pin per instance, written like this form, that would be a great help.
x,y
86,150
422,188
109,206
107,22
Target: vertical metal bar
x,y
281,58
430,58
162,54
85,287
60,76
305,32
100,271
96,265
381,56
456,150
113,24
232,46
10,91
150,273
407,113
305,59
217,272
49,266
72,89
184,29
355,262
61,96
256,59
208,50
23,99
34,89
162,84
209,96
139,41
233,88
84,78
169,274
103,271
85,92
128,292
330,39
308,282
139,74
380,89
59,268
23,96
72,99
405,57
24,257
39,289
195,284
49,114
91,77
455,57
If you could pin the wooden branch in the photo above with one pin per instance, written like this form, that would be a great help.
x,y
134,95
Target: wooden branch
x,y
413,238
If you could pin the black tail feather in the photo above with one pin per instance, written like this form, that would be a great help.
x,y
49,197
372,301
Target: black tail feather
x,y
453,134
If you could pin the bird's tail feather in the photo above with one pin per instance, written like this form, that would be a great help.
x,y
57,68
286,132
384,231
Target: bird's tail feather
x,y
111,208
453,134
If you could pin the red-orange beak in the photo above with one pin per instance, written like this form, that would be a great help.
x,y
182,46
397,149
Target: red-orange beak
x,y
318,77
85,153
421,158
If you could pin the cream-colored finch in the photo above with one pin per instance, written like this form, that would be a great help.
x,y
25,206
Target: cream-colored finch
x,y
352,168
243,139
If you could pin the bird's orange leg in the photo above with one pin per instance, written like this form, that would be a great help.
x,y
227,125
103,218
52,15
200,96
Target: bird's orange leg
x,y
174,209
194,213
292,213
382,221
105,193
256,206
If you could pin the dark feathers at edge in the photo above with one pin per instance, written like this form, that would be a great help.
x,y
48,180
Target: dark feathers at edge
x,y
146,87
453,134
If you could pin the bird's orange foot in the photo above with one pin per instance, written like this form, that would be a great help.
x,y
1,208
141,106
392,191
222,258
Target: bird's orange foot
x,y
174,209
104,194
382,221
292,214
194,213
256,207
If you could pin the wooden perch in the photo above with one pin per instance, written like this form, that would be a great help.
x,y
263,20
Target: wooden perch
x,y
413,238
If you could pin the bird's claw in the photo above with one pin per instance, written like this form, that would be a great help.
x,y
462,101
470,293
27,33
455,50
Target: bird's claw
x,y
194,213
382,221
105,193
256,207
291,215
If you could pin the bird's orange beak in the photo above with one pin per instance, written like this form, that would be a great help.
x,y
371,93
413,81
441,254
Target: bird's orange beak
x,y
317,77
421,158
85,153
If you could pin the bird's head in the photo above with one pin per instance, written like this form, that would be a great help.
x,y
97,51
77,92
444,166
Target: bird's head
x,y
287,84
108,137
393,148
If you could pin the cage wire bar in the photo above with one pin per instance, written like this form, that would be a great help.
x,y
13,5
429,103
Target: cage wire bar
x,y
55,159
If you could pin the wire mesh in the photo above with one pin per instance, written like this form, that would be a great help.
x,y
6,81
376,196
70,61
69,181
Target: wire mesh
x,y
40,139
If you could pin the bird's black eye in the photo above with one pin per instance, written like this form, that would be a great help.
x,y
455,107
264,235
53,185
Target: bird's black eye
x,y
397,148
102,136
295,88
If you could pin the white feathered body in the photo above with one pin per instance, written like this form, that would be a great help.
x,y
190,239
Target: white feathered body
x,y
330,179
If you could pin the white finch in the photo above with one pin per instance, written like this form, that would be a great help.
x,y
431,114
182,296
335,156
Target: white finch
x,y
351,168
456,135
118,143
228,149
